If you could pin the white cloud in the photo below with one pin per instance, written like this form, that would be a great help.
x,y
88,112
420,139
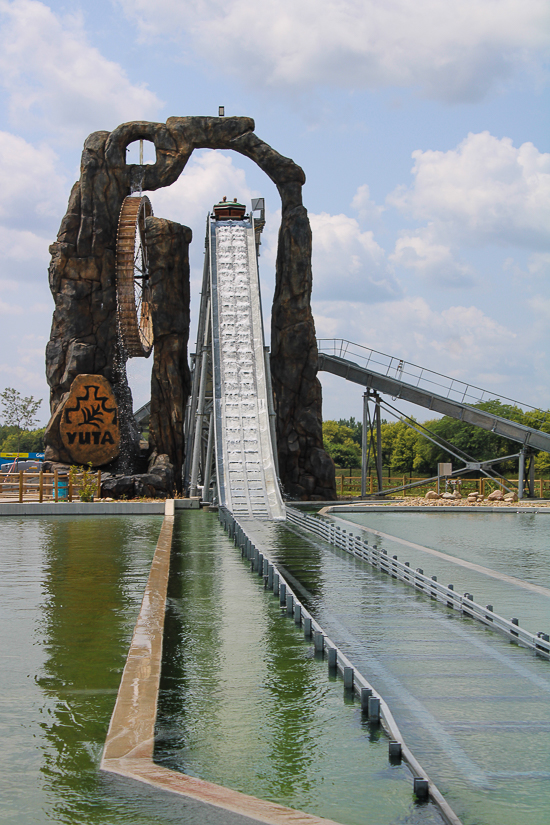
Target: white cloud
x,y
486,191
20,246
452,51
539,264
56,79
349,263
462,342
32,191
205,180
430,259
364,206
10,309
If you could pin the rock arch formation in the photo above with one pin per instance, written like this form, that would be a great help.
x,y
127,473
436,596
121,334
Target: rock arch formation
x,y
82,280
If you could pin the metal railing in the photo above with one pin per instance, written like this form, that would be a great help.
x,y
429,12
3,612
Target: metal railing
x,y
409,373
338,537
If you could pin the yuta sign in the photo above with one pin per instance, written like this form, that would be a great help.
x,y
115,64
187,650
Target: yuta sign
x,y
89,425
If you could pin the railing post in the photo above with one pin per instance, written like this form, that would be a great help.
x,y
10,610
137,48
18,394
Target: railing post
x,y
20,486
56,486
41,486
98,490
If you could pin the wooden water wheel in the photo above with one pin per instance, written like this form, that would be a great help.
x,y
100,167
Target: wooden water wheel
x,y
132,277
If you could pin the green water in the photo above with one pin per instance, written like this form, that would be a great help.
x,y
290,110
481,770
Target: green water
x,y
245,703
70,591
507,543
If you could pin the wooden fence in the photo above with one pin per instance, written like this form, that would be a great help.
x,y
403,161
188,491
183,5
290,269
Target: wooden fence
x,y
351,485
39,486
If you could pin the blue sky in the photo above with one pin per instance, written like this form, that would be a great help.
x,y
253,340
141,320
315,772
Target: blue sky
x,y
422,129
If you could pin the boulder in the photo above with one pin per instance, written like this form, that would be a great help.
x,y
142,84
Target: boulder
x,y
511,496
496,495
117,486
431,494
448,495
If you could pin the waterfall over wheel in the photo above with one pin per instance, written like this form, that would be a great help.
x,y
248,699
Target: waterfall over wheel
x,y
132,277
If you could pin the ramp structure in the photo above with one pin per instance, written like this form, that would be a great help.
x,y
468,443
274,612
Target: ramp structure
x,y
440,393
381,373
230,418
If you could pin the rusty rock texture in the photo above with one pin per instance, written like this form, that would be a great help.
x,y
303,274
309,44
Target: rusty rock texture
x,y
82,279
168,250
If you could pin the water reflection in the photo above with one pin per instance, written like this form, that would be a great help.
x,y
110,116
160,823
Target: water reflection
x,y
94,572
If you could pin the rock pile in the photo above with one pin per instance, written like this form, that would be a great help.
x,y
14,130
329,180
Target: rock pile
x,y
158,482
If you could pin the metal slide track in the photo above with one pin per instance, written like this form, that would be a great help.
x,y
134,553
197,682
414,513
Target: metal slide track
x,y
246,469
425,397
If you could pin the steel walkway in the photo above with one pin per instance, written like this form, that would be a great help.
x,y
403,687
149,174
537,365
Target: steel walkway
x,y
401,379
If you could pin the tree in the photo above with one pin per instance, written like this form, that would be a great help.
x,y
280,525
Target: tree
x,y
356,428
18,412
340,445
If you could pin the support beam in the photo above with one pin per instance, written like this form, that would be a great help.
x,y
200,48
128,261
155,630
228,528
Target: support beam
x,y
521,474
208,461
364,441
378,445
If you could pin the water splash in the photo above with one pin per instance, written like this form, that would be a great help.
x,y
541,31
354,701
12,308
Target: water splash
x,y
137,174
129,433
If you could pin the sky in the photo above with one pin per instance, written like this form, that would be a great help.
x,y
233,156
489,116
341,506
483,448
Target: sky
x,y
422,128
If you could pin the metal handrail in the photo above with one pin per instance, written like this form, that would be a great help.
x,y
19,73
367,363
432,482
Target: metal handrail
x,y
356,546
423,378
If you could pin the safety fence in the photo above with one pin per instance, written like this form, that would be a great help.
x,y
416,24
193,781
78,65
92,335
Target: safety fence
x,y
372,704
358,547
350,485
39,486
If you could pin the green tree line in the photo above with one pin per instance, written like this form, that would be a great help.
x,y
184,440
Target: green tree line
x,y
30,441
406,451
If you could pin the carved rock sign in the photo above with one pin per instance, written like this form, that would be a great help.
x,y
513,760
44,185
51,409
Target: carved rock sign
x,y
89,426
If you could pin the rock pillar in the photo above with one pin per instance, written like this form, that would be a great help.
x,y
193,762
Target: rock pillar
x,y
82,280
305,468
84,336
168,251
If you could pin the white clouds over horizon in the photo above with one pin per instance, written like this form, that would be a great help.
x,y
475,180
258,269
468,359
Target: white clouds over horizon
x,y
452,52
484,191
349,262
56,80
463,342
450,269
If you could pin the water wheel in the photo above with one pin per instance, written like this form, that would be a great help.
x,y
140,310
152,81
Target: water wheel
x,y
132,277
